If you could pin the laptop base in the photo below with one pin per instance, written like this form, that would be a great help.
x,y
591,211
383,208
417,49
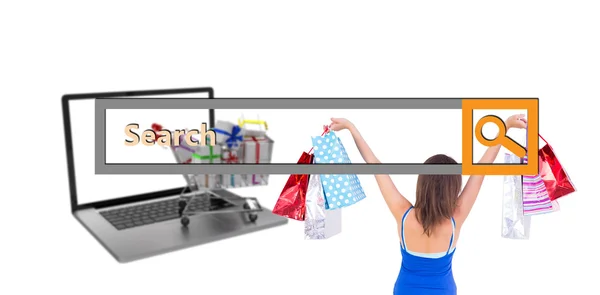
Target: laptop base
x,y
168,236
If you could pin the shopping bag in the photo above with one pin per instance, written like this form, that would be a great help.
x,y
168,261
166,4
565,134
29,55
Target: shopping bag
x,y
292,200
341,190
319,223
515,224
556,179
555,206
535,195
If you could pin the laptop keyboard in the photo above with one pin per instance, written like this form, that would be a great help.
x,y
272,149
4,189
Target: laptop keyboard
x,y
148,213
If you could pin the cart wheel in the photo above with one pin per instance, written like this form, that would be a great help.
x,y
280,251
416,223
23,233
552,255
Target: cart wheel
x,y
185,221
182,204
253,217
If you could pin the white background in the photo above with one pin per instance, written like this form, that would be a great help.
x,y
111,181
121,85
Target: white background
x,y
311,49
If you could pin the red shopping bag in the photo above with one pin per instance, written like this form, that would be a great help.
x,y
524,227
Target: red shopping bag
x,y
558,184
292,200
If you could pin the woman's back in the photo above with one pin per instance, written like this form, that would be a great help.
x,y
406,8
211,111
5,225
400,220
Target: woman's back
x,y
426,260
427,257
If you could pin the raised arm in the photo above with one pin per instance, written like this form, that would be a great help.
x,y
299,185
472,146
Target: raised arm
x,y
395,201
467,198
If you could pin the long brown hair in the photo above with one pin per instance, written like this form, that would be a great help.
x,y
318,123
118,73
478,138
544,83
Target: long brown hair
x,y
437,195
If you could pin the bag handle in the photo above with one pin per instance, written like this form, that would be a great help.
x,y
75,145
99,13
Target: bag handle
x,y
542,138
242,122
326,129
539,135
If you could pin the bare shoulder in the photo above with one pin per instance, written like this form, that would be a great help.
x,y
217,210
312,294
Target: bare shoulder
x,y
402,210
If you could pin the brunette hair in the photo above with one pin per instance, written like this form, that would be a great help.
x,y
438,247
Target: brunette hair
x,y
437,195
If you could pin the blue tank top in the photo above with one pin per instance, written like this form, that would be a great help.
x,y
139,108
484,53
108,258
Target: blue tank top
x,y
423,273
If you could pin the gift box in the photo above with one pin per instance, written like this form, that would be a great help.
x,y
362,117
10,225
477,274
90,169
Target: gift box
x,y
228,134
230,156
341,190
233,180
254,133
515,224
183,151
257,150
207,180
253,128
207,155
319,223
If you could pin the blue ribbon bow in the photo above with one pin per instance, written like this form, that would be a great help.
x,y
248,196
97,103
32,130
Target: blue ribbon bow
x,y
233,138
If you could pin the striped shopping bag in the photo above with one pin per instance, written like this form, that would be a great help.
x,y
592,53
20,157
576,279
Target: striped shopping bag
x,y
535,195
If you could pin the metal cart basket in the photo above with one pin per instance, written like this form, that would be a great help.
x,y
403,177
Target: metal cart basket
x,y
198,197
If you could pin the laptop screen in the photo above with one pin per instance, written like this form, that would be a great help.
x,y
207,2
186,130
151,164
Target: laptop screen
x,y
94,188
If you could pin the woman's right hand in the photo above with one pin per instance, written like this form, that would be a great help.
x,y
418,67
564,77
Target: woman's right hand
x,y
338,124
516,121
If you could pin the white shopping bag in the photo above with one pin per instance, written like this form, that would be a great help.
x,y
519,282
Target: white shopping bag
x,y
319,223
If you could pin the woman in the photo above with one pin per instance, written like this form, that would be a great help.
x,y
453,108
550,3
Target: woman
x,y
429,230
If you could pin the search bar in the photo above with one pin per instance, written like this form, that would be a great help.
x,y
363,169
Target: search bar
x,y
465,168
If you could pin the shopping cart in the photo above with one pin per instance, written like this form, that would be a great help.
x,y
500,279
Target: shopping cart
x,y
199,196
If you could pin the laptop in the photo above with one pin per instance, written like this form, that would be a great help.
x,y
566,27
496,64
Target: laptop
x,y
138,216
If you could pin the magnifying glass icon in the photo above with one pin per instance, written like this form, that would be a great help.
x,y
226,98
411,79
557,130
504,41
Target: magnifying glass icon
x,y
502,139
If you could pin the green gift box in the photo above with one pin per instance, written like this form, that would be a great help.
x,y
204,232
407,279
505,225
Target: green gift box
x,y
207,155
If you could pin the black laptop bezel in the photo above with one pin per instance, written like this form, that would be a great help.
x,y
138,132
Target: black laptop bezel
x,y
75,206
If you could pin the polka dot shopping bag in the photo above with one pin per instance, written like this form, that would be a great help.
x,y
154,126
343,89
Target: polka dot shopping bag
x,y
341,190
